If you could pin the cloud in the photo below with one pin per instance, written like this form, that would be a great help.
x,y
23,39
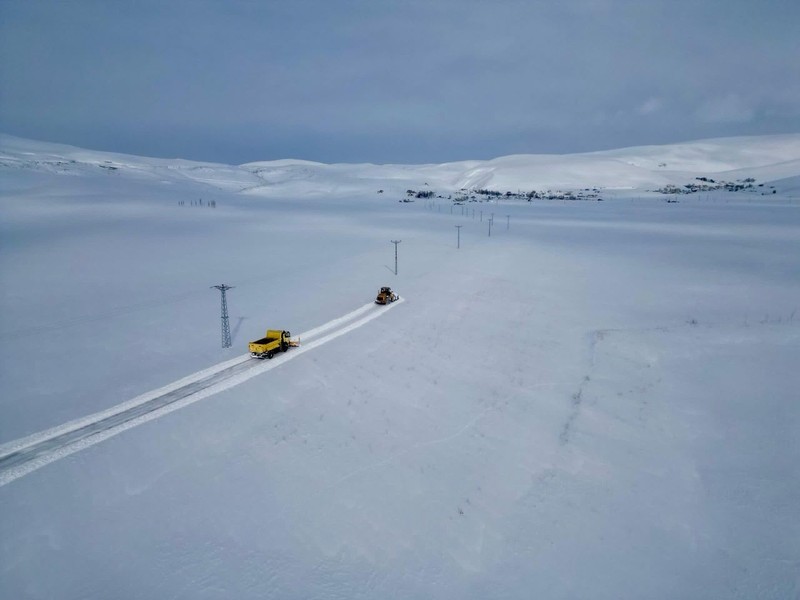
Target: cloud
x,y
731,108
416,81
650,106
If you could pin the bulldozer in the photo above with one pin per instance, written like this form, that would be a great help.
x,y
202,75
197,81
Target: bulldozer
x,y
386,296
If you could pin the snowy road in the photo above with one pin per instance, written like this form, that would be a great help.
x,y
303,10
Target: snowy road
x,y
23,456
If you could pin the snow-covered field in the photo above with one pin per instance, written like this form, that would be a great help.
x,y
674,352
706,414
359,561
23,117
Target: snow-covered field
x,y
598,401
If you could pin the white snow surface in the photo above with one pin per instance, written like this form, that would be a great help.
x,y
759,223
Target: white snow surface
x,y
214,380
598,401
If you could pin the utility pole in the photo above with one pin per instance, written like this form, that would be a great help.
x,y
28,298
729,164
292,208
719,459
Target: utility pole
x,y
490,227
226,326
458,228
395,242
508,221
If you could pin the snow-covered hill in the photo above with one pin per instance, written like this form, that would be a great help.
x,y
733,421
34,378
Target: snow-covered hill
x,y
765,158
598,400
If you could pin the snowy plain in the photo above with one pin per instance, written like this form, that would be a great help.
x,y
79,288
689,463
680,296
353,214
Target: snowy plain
x,y
599,400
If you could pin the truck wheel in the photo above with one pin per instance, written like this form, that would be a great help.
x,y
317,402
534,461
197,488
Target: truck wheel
x,y
270,354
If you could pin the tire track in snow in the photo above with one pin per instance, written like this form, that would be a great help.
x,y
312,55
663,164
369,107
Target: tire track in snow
x,y
23,456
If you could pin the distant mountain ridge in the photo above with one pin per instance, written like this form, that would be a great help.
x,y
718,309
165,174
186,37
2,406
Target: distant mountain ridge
x,y
764,158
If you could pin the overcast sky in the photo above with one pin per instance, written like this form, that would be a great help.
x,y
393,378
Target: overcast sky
x,y
382,81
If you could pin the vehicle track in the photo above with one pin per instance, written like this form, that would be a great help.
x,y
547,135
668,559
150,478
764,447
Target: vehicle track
x,y
20,457
59,441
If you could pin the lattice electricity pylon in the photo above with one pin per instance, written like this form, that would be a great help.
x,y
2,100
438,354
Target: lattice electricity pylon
x,y
395,242
226,326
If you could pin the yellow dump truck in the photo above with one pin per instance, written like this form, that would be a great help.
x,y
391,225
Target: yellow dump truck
x,y
275,341
386,296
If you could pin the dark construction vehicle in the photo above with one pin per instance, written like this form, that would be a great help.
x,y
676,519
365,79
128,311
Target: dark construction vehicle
x,y
386,296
